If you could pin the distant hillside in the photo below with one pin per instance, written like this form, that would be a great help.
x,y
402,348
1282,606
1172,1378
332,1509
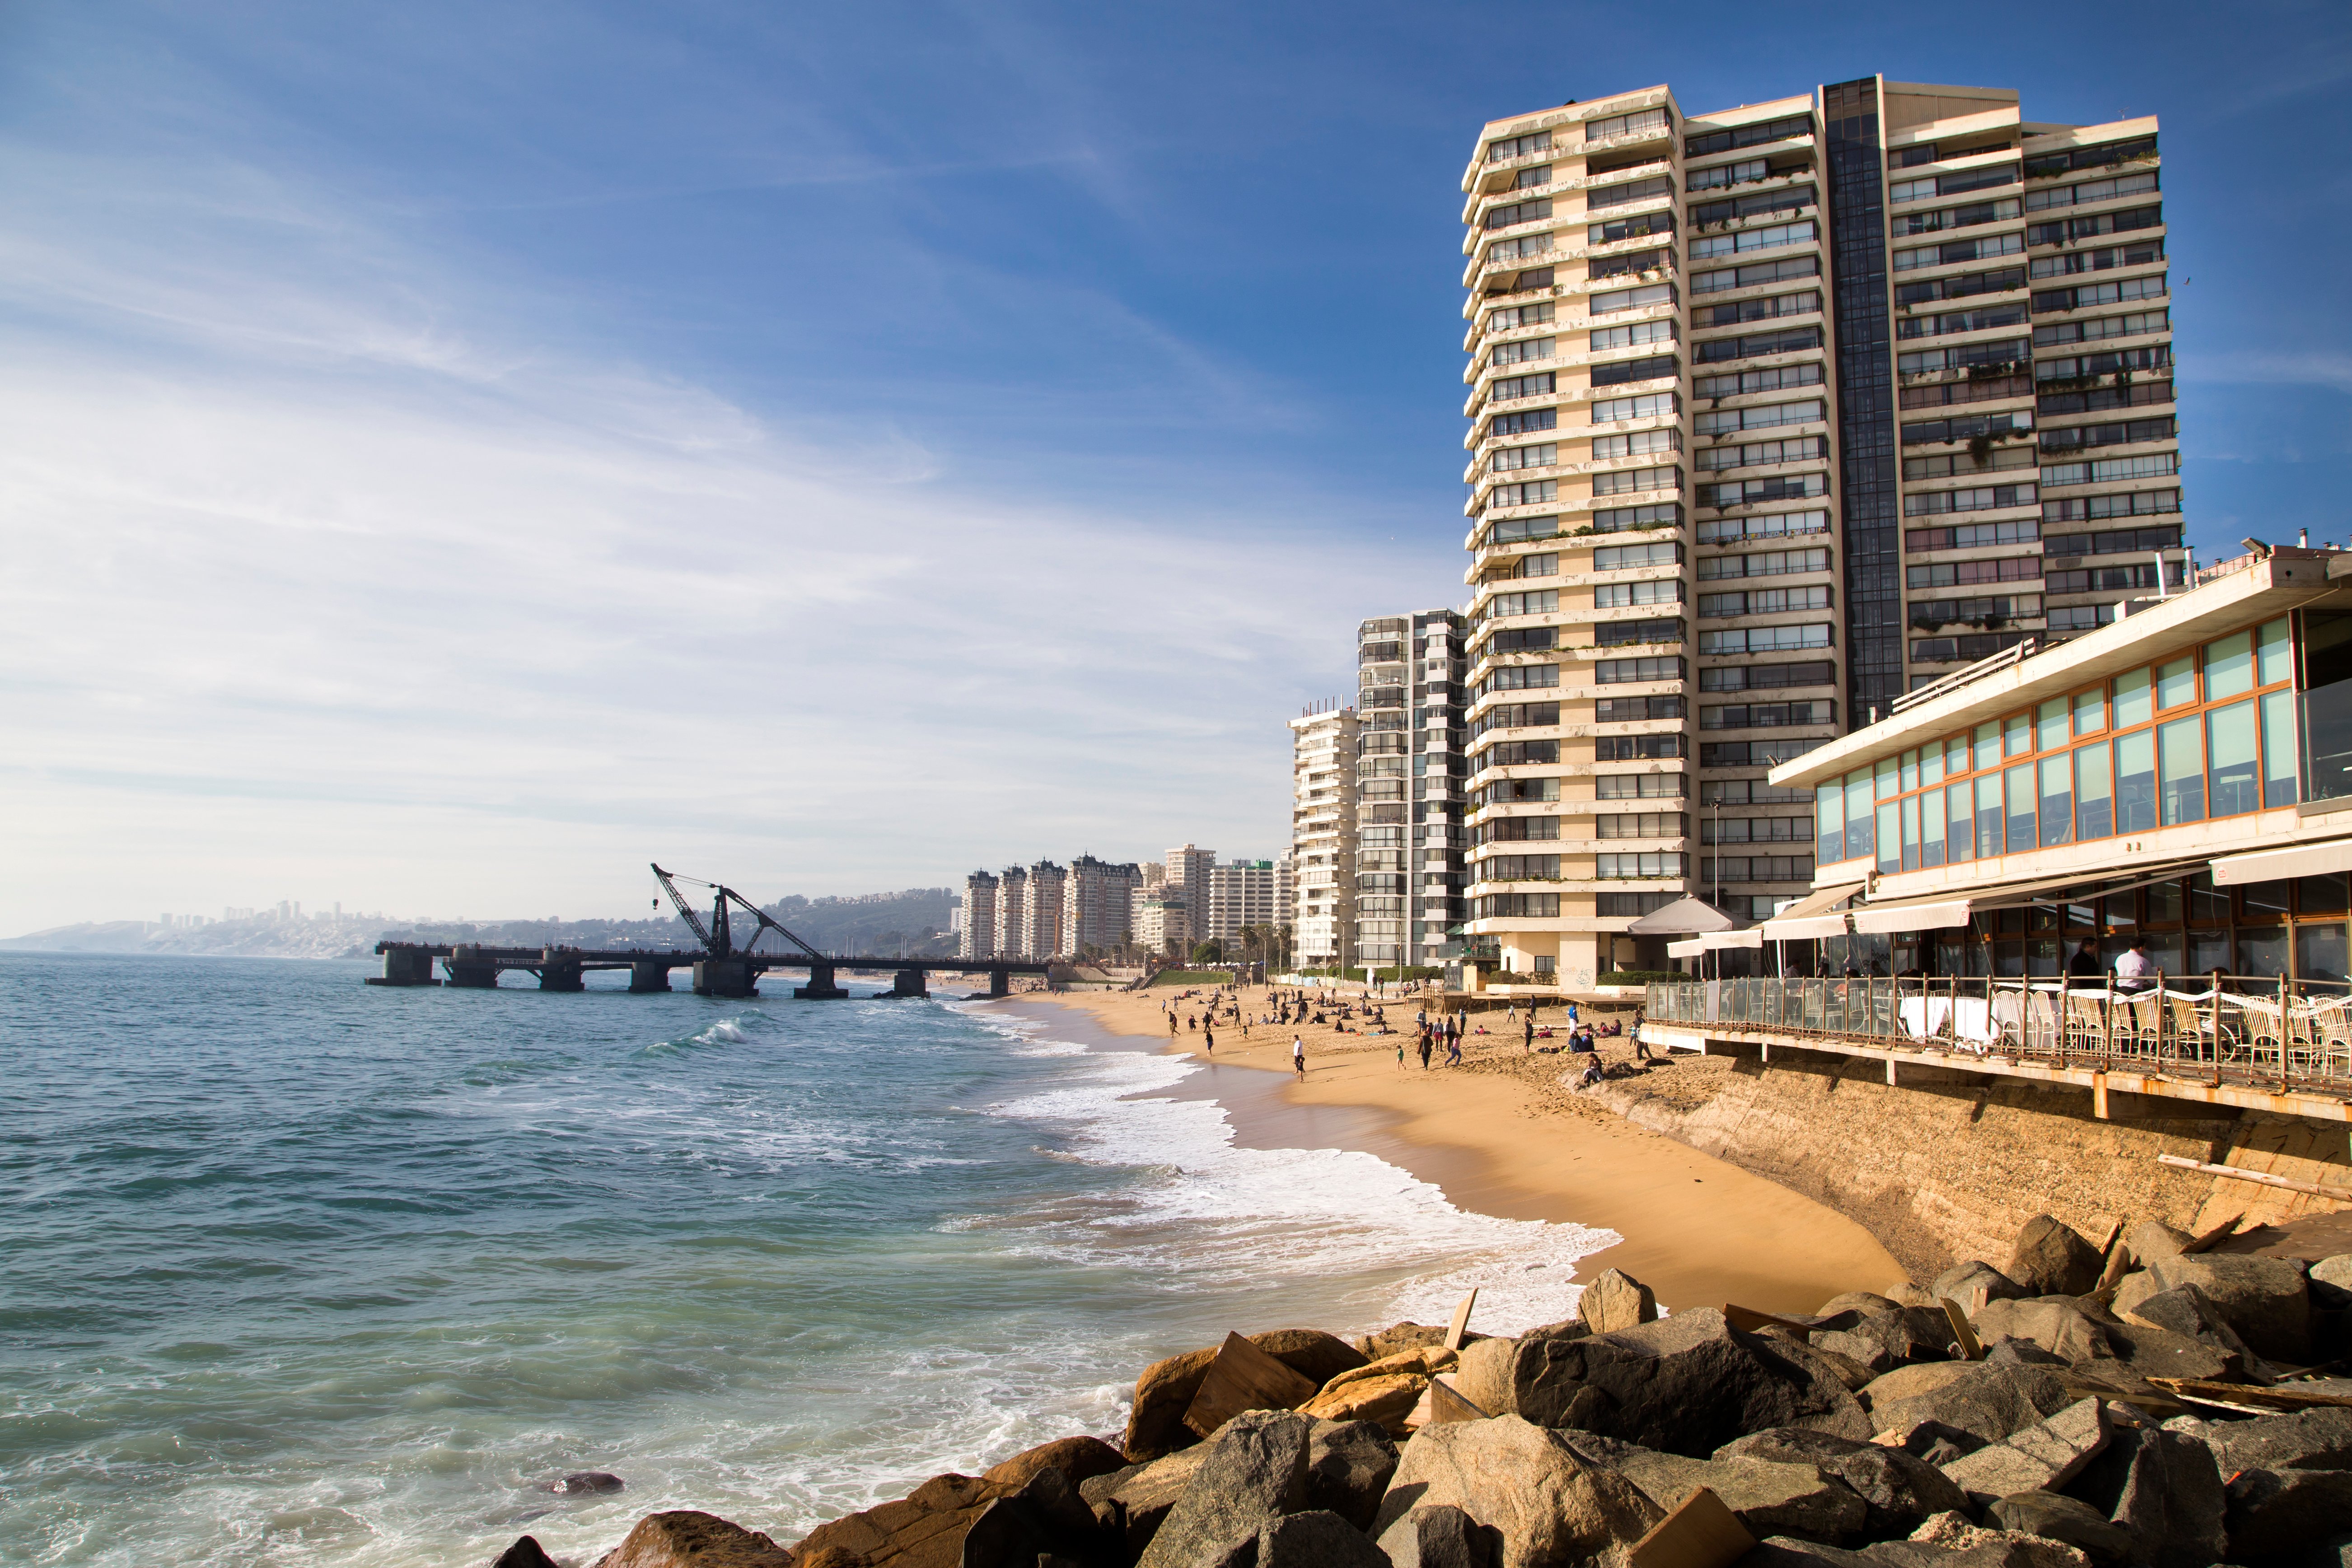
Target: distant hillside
x,y
919,922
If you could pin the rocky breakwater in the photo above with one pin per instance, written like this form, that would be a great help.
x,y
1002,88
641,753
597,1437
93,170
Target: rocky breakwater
x,y
2146,1402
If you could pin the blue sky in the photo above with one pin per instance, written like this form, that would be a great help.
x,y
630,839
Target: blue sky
x,y
462,452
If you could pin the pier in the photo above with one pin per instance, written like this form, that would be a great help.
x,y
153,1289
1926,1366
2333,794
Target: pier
x,y
476,968
721,968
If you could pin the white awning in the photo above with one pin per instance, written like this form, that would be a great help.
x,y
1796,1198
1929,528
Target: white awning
x,y
1751,937
1927,914
1803,927
1690,949
2273,865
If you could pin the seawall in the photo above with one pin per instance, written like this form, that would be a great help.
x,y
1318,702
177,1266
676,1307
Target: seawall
x,y
1948,1165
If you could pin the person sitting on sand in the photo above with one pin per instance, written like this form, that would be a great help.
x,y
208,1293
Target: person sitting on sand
x,y
1590,1075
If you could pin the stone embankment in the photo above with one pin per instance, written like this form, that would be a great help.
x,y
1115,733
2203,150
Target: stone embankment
x,y
2151,1404
1946,1164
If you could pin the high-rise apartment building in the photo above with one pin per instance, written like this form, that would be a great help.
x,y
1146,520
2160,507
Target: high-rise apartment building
x,y
1041,910
1410,775
976,918
1188,873
1241,895
1777,415
1097,906
1323,834
1013,912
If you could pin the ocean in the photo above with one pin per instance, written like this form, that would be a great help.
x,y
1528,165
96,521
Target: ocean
x,y
295,1271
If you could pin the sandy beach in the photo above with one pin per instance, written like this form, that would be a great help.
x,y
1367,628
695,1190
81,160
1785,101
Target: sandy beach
x,y
1500,1135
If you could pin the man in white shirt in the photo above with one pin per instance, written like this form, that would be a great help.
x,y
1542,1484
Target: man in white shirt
x,y
2134,970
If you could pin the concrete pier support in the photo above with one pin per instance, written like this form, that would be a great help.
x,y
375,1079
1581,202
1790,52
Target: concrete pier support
x,y
473,976
820,986
724,977
1000,982
405,966
649,976
909,983
559,972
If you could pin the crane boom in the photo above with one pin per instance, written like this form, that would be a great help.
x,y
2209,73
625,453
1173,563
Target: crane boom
x,y
759,915
685,910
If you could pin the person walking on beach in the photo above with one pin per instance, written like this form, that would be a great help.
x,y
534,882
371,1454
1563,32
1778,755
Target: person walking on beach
x,y
1531,1034
1298,1057
1424,1048
1454,1050
1400,1052
1172,1023
1209,1038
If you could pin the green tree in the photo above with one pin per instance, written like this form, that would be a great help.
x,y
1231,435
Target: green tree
x,y
1210,952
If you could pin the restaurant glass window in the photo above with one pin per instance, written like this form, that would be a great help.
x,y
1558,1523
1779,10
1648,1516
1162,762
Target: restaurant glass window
x,y
2233,754
2263,903
1911,833
1988,748
2209,951
2018,787
2273,652
2261,951
2280,770
2176,683
1931,829
1829,822
2016,736
1988,831
1890,836
1857,814
2180,757
2050,725
2322,894
2094,807
2319,951
1910,772
1931,766
2164,951
2090,712
2135,781
2230,667
2208,905
2327,704
2057,797
1960,843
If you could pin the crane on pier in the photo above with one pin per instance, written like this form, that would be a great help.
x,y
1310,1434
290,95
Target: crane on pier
x,y
717,937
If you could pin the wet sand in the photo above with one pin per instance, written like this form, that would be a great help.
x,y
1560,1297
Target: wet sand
x,y
1500,1135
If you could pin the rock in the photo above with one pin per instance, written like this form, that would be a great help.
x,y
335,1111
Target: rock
x,y
2046,1455
2306,1440
1986,1403
1423,1361
1962,1281
1348,1469
1788,1551
589,1481
1408,1336
2051,1260
829,1557
1317,1539
2336,1272
2186,1313
1081,1460
2271,1514
1136,1505
526,1552
1843,1367
1243,1378
1685,1384
1440,1536
1253,1472
1864,1302
685,1538
1884,1340
1314,1355
1905,1382
2022,1352
1548,1508
1898,1490
2262,1299
2154,1353
2152,1239
1384,1400
1486,1374
2171,1504
1769,1497
1949,1541
1156,1425
2057,1324
1616,1301
2131,1290
2055,1517
1017,1529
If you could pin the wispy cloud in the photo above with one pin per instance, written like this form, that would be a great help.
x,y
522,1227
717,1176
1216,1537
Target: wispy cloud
x,y
2329,368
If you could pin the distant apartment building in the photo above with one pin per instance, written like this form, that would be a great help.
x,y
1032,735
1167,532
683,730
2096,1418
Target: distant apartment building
x,y
1242,894
1778,413
1163,920
1323,834
1411,773
1041,913
1097,906
976,917
1188,869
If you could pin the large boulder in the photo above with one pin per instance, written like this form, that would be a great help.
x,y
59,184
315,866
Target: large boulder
x,y
1882,1340
2044,1456
1438,1536
2056,1323
1406,1336
1318,1356
1949,1541
1864,1302
1899,1490
1156,1425
2273,1514
2156,1353
1253,1472
1046,1518
1385,1400
1985,1403
2306,1440
685,1538
910,1531
1548,1508
2056,1517
1616,1301
1317,1539
1348,1469
1079,1458
1771,1497
1962,1280
2171,1502
2152,1239
1685,1384
1905,1382
2263,1299
1135,1502
2051,1260
526,1552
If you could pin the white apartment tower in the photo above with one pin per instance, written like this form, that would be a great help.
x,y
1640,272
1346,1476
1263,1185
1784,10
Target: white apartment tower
x,y
1097,906
1777,414
1410,773
1188,873
1041,910
976,919
1323,834
1012,912
1241,895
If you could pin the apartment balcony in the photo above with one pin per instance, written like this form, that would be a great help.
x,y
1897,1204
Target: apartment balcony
x,y
1568,250
1753,150
1475,209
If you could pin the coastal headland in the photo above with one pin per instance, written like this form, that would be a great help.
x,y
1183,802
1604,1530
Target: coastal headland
x,y
1499,1135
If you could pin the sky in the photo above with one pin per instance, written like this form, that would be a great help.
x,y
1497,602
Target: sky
x,y
456,454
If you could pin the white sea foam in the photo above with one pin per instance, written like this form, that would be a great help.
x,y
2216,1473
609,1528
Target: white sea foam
x,y
1205,1214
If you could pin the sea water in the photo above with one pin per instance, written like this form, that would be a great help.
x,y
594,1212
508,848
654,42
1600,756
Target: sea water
x,y
297,1270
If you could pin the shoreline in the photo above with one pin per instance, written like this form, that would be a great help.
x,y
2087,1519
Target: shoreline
x,y
1497,1137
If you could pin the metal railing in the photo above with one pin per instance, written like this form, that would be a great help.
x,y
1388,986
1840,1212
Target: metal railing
x,y
2253,1030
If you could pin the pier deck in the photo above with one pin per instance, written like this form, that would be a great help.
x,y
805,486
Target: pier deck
x,y
477,967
